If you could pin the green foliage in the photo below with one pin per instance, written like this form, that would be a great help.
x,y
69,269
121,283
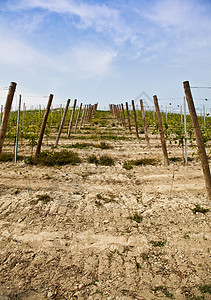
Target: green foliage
x,y
127,165
137,217
205,289
200,209
106,160
158,243
45,198
92,159
51,158
144,161
164,290
4,157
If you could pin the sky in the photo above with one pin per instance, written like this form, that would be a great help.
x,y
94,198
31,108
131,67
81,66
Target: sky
x,y
106,51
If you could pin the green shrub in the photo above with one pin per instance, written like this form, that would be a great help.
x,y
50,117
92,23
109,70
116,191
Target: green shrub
x,y
106,160
200,209
127,165
92,159
137,217
51,158
7,157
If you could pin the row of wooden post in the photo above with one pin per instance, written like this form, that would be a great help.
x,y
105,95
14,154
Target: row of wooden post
x,y
118,111
86,116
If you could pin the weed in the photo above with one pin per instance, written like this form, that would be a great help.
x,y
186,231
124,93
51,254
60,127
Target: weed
x,y
92,159
175,159
164,290
51,158
99,196
127,165
158,243
205,289
68,220
200,209
186,236
137,217
45,198
144,162
98,203
78,145
144,256
106,160
103,145
6,157
138,266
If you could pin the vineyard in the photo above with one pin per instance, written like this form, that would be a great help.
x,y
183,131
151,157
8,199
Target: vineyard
x,y
98,214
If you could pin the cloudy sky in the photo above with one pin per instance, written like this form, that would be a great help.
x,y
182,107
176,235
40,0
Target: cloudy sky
x,y
105,51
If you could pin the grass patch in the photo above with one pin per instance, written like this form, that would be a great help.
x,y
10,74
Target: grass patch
x,y
136,217
164,290
205,289
103,145
79,145
175,159
200,209
106,160
144,162
8,156
127,165
92,159
45,198
51,158
158,243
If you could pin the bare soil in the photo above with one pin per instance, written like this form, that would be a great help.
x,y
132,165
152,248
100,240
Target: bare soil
x,y
87,242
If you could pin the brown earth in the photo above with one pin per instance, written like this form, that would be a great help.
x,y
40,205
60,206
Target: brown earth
x,y
87,241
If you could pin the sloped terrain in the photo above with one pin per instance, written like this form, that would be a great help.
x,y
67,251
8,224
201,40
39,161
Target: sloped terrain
x,y
104,232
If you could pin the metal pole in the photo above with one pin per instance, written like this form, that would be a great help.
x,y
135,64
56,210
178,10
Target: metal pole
x,y
17,132
185,129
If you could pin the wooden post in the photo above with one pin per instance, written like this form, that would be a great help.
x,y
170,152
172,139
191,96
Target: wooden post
x,y
78,116
128,117
71,119
42,130
144,122
199,138
123,115
162,137
82,117
135,119
6,113
17,130
62,123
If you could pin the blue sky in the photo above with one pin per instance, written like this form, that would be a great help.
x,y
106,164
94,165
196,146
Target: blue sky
x,y
105,51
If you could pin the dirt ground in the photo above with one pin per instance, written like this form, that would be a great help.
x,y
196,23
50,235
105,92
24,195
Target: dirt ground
x,y
87,242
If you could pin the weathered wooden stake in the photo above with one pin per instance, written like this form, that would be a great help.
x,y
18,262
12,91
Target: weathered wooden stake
x,y
162,137
6,113
77,119
123,116
71,119
17,130
144,122
128,117
199,138
135,119
62,123
42,130
82,117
